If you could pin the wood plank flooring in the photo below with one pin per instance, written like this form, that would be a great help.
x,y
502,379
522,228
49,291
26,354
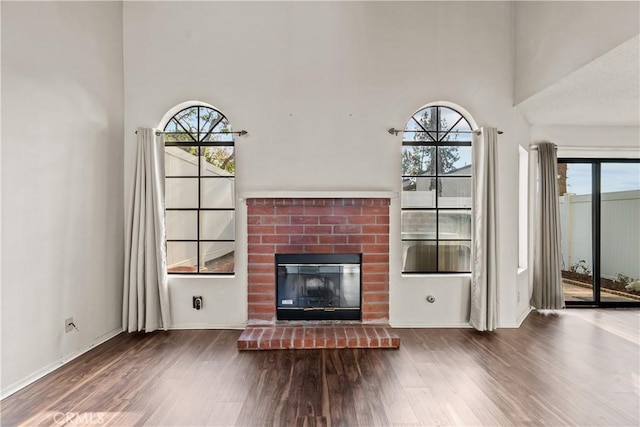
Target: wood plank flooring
x,y
580,367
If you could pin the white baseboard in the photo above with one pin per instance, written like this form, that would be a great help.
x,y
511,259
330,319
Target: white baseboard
x,y
524,315
208,326
429,326
20,384
522,318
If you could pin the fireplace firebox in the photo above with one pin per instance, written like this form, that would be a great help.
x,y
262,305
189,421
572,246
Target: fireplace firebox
x,y
318,286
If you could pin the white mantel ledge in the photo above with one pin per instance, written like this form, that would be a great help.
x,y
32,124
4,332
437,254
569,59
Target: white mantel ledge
x,y
318,195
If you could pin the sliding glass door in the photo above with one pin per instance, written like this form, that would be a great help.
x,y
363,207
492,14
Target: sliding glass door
x,y
575,187
620,231
600,228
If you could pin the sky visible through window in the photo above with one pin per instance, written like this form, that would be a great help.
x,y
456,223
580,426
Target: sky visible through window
x,y
615,177
465,157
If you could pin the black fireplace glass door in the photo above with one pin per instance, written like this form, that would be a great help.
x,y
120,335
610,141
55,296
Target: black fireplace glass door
x,y
306,287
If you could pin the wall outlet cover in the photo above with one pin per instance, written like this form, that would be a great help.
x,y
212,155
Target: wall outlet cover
x,y
68,324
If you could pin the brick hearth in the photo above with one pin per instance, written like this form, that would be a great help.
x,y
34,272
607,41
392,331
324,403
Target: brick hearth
x,y
308,335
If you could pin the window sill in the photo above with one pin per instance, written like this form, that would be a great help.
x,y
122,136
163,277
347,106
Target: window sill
x,y
201,276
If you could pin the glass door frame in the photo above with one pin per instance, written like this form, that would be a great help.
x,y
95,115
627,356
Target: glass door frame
x,y
596,169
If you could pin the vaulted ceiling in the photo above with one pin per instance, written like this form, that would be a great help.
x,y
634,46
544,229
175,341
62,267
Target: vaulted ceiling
x,y
604,92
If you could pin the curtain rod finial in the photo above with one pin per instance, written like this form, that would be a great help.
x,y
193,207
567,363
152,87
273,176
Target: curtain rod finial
x,y
479,132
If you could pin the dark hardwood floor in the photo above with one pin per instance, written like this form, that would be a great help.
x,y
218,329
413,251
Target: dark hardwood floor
x,y
577,368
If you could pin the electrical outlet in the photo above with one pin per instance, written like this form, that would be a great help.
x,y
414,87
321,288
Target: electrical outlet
x,y
197,302
68,324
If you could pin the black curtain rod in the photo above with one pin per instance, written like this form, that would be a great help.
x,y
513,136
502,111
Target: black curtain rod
x,y
394,131
239,133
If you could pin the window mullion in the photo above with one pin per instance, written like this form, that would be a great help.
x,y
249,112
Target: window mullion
x,y
437,189
199,204
199,184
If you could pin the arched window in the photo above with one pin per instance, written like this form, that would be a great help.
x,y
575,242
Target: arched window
x,y
200,170
436,192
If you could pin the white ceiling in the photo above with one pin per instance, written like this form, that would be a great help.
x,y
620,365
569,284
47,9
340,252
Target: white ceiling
x,y
604,92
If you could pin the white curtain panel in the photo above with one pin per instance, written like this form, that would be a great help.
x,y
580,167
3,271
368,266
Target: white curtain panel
x,y
484,261
547,263
146,293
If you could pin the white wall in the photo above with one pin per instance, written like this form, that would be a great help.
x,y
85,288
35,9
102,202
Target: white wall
x,y
555,38
317,85
62,198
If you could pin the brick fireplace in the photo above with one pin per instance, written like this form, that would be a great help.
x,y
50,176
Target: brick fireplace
x,y
303,225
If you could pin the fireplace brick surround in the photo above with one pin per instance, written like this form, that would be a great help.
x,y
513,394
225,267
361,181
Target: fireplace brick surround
x,y
318,225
